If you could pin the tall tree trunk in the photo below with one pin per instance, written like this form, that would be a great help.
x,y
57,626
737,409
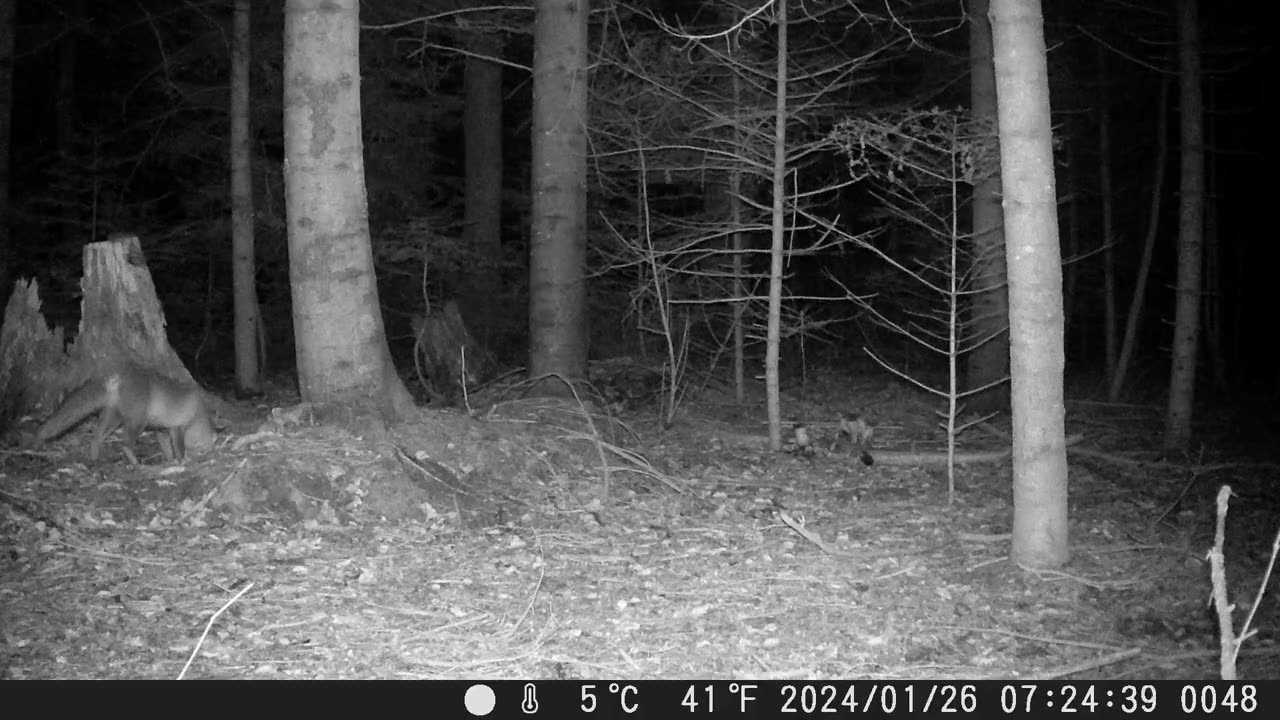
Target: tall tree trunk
x,y
722,200
65,120
1108,227
482,128
988,363
738,241
1133,321
1071,251
1186,326
7,58
337,321
1035,285
773,334
736,208
557,256
243,263
1215,298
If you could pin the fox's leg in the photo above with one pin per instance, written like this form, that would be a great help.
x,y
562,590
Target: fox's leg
x,y
179,439
131,431
108,420
171,444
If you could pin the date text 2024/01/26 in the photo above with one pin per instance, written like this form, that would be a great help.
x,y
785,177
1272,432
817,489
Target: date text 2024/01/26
x,y
669,699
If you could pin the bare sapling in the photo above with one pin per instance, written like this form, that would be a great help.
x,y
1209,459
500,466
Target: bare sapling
x,y
916,165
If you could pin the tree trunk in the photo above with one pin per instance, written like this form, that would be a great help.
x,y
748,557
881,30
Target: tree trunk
x,y
1108,228
341,345
774,332
1186,326
65,120
1035,285
988,362
7,59
1215,298
1071,249
243,263
1133,321
557,282
482,128
739,268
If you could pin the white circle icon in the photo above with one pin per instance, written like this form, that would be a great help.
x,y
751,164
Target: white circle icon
x,y
479,700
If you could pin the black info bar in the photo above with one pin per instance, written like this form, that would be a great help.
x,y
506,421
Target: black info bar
x,y
670,699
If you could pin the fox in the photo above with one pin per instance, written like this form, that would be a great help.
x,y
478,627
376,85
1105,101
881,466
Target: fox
x,y
137,398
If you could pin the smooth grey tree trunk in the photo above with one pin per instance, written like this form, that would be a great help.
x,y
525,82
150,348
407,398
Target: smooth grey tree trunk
x,y
1034,260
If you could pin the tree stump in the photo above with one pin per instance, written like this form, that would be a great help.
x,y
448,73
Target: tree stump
x,y
121,321
446,353
27,379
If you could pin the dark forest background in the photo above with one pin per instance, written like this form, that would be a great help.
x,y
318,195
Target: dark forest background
x,y
120,125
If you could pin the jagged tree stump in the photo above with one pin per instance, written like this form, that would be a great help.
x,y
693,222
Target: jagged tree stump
x,y
120,321
27,379
120,315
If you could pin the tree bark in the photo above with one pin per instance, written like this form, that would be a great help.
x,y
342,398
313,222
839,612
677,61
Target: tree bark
x,y
1107,208
1215,292
243,263
1071,244
341,344
7,20
736,189
557,282
1133,321
1034,263
1186,325
988,363
773,335
482,128
65,120
121,319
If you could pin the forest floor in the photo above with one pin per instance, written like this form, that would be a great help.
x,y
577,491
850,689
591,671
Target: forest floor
x,y
496,545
